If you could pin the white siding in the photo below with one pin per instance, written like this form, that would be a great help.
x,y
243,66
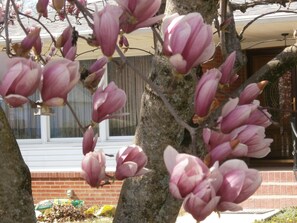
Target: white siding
x,y
61,156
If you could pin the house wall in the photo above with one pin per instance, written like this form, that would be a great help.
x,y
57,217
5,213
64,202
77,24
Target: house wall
x,y
278,189
55,168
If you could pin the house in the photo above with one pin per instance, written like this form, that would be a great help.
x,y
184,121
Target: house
x,y
51,145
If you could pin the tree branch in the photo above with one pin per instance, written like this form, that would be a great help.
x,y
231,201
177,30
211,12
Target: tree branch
x,y
274,69
244,6
260,16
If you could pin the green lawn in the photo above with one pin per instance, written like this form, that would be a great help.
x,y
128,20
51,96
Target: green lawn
x,y
286,215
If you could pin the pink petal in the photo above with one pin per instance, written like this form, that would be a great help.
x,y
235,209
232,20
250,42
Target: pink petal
x,y
169,158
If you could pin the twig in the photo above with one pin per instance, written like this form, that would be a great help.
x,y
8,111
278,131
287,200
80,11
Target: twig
x,y
6,27
85,13
260,16
82,129
17,12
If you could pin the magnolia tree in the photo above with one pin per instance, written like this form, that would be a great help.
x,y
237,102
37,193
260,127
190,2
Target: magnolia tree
x,y
188,144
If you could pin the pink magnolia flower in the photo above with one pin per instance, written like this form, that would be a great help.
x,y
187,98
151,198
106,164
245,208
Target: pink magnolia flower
x,y
214,138
239,183
66,42
59,77
70,54
107,101
95,74
41,7
89,140
65,37
38,46
131,161
19,79
202,201
93,168
107,27
138,14
227,149
253,137
251,92
234,116
205,91
260,117
30,40
187,41
226,69
186,172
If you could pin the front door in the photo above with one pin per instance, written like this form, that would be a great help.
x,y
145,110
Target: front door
x,y
277,97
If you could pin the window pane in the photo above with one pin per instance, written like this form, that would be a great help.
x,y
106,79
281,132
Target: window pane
x,y
63,123
24,123
133,85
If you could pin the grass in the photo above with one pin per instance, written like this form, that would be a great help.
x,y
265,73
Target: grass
x,y
286,215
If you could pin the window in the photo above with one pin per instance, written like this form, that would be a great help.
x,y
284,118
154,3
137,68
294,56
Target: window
x,y
62,124
133,85
24,123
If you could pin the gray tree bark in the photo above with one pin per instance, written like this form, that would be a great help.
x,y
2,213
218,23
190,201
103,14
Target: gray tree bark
x,y
16,202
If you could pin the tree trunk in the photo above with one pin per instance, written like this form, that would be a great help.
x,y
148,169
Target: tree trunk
x,y
147,199
16,202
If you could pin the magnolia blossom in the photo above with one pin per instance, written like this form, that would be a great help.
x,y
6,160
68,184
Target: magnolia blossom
x,y
234,115
138,14
19,79
93,168
260,117
214,138
186,172
89,140
106,28
226,69
202,201
59,77
227,149
41,7
253,137
131,161
205,91
107,101
239,183
65,37
187,41
95,74
31,38
66,42
251,92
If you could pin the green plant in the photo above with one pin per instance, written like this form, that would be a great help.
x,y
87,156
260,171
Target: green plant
x,y
286,215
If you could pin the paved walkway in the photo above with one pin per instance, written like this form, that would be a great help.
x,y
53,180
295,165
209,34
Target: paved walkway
x,y
245,216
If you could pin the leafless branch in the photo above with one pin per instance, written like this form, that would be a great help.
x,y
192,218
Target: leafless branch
x,y
260,16
244,6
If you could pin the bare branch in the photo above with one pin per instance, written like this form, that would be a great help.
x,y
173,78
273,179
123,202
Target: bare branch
x,y
244,6
260,16
275,68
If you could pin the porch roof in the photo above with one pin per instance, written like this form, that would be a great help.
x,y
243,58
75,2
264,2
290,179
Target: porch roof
x,y
265,32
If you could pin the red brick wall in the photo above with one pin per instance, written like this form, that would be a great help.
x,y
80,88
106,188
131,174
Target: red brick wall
x,y
54,185
278,190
